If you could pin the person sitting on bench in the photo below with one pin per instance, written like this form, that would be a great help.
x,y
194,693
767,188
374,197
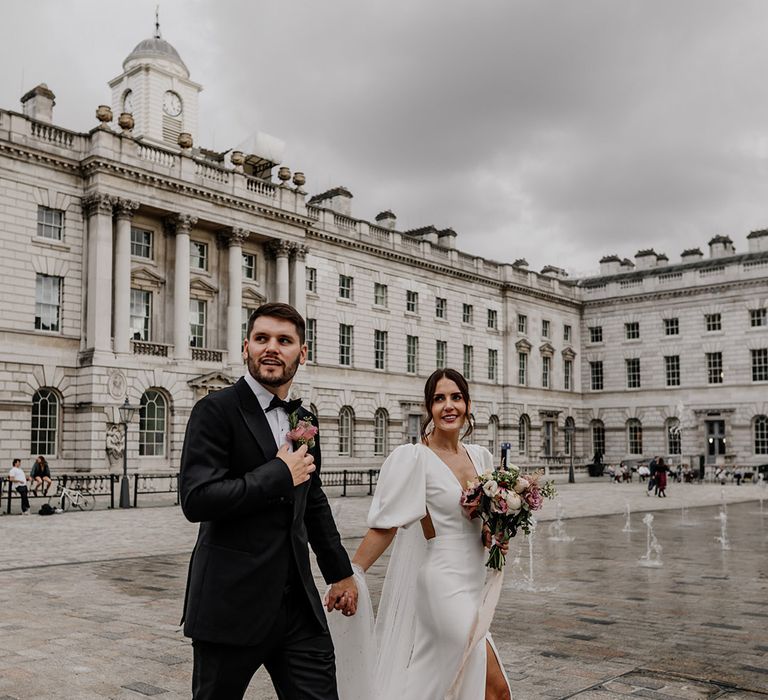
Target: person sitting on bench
x,y
40,476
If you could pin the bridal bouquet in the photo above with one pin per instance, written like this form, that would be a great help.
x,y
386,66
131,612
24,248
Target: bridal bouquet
x,y
505,500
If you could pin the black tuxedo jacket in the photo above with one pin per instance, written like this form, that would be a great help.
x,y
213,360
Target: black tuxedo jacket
x,y
253,521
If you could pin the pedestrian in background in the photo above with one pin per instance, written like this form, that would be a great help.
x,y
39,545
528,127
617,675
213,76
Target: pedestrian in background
x,y
661,478
19,482
652,465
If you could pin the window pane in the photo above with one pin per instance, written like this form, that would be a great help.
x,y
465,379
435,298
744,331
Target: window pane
x,y
152,424
141,243
45,422
47,302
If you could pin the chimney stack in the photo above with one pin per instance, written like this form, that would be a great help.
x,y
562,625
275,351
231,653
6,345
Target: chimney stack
x,y
38,104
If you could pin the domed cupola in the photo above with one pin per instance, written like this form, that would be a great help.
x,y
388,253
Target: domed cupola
x,y
155,88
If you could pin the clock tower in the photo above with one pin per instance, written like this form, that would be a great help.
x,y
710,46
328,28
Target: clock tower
x,y
155,88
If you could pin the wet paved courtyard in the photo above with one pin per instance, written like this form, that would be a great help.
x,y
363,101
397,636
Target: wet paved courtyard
x,y
92,600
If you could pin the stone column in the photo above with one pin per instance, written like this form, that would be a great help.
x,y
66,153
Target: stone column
x,y
98,208
281,250
181,225
234,240
122,320
299,279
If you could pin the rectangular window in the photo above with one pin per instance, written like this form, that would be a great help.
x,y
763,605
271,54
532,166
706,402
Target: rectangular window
x,y
713,322
522,323
468,361
596,375
47,302
380,349
546,364
345,345
414,428
632,330
244,316
412,302
249,266
760,365
196,323
595,334
493,365
141,243
412,354
633,372
50,223
441,353
198,255
635,437
671,326
441,307
141,314
380,294
672,369
467,313
346,287
493,319
566,333
522,368
311,339
568,375
714,368
311,277
758,317
544,328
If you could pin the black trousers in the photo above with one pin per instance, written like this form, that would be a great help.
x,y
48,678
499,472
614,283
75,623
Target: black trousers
x,y
22,491
297,653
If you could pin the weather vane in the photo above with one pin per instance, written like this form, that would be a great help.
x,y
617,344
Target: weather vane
x,y
157,21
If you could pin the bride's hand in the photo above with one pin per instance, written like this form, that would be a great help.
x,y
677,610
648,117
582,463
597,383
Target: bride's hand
x,y
488,541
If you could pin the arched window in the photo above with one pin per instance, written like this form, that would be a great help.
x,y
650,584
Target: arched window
x,y
380,431
152,424
523,431
598,438
634,436
346,431
674,435
45,422
493,435
569,430
761,435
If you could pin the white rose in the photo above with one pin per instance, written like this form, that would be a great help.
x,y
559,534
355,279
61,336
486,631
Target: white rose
x,y
491,488
514,502
521,484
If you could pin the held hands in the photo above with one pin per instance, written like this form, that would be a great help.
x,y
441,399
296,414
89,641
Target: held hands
x,y
300,462
488,541
342,596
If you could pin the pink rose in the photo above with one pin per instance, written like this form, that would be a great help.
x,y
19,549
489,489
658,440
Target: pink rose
x,y
303,434
532,496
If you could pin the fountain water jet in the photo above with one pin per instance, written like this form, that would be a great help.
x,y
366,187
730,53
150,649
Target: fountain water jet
x,y
652,556
556,528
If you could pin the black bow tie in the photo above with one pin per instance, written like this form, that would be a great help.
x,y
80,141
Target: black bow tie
x,y
288,406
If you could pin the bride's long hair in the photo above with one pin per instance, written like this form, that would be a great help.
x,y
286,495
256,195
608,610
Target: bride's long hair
x,y
429,398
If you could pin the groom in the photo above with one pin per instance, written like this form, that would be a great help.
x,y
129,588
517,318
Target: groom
x,y
251,598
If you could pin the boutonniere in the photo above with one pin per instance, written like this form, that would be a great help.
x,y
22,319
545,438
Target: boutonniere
x,y
302,431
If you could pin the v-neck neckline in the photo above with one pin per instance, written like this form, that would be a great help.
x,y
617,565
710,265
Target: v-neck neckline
x,y
442,461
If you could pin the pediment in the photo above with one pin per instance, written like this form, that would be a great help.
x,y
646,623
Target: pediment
x,y
546,349
199,285
568,353
252,297
211,381
523,345
147,276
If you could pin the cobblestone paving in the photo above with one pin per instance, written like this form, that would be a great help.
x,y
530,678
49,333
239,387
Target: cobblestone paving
x,y
93,600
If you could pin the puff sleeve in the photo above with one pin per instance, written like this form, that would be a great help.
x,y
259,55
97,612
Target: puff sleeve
x,y
401,493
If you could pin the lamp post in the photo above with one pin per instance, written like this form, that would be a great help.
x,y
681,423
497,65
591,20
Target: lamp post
x,y
126,415
569,430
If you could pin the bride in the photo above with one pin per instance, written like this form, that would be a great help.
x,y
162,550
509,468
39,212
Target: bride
x,y
431,632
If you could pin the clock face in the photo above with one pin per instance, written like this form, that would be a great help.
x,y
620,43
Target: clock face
x,y
172,104
128,102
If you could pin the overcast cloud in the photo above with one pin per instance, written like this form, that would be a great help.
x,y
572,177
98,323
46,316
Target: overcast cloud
x,y
558,131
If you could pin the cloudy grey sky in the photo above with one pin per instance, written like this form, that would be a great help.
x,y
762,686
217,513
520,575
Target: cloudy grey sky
x,y
555,130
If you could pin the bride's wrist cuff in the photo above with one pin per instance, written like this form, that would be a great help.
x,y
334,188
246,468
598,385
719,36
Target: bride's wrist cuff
x,y
356,568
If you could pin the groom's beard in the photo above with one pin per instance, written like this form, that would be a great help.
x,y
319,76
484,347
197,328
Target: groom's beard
x,y
288,373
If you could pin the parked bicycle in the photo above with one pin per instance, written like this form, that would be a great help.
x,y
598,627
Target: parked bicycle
x,y
70,498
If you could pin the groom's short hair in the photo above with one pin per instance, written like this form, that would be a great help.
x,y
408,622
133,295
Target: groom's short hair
x,y
285,312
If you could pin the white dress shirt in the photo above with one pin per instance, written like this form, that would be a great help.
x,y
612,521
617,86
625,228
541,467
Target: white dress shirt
x,y
277,417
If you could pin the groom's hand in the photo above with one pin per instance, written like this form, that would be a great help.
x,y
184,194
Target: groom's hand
x,y
300,462
343,596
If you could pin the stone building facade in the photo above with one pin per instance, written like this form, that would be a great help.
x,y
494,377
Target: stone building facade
x,y
132,258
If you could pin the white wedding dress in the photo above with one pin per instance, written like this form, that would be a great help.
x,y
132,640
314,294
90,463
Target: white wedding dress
x,y
430,640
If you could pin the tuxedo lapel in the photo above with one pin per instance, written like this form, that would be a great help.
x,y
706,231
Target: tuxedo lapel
x,y
254,417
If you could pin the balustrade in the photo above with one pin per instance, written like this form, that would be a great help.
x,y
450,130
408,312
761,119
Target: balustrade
x,y
143,347
156,155
52,134
207,355
266,189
